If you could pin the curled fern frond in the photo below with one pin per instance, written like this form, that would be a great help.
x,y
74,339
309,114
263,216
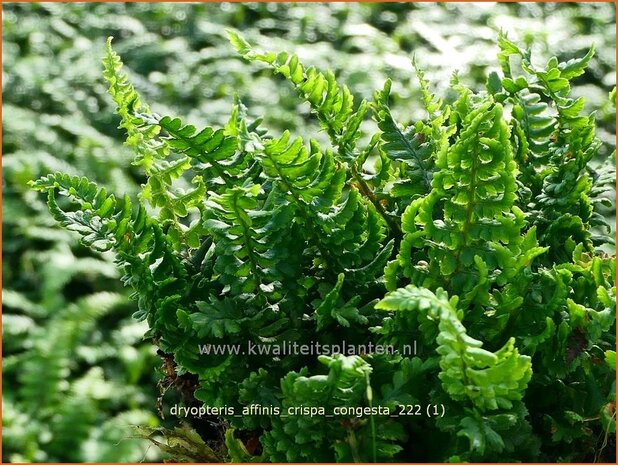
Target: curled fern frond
x,y
144,253
243,231
469,212
215,151
488,380
311,177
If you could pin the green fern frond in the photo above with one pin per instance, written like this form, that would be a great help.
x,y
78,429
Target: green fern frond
x,y
346,384
212,148
311,177
145,255
332,104
408,147
433,105
555,150
488,380
99,221
242,231
470,207
151,151
140,136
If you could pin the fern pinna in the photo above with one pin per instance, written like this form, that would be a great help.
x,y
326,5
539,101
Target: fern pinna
x,y
469,233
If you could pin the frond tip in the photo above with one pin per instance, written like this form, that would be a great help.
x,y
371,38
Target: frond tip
x,y
331,103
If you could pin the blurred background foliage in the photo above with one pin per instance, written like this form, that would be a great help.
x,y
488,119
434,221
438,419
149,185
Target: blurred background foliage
x,y
76,372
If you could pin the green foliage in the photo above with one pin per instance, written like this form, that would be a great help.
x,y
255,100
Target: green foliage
x,y
57,394
489,380
74,362
409,149
323,272
561,147
333,105
292,243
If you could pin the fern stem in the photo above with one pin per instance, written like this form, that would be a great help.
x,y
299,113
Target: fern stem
x,y
372,421
366,191
353,442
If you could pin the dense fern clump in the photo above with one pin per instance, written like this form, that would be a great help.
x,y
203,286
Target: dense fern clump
x,y
468,235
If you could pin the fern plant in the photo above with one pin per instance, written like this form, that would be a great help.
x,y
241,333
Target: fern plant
x,y
467,233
